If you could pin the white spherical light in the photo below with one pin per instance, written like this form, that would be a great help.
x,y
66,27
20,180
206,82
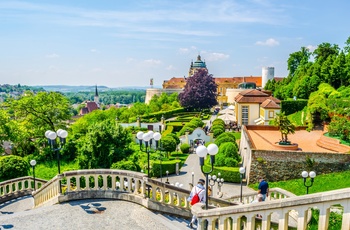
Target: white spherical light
x,y
63,134
150,133
304,174
139,135
52,135
146,137
59,132
213,149
33,163
157,136
241,170
201,151
312,174
47,133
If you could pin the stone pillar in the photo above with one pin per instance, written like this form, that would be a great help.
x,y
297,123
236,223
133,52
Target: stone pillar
x,y
302,220
283,221
323,218
346,216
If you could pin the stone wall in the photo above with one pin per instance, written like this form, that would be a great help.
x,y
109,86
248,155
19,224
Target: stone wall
x,y
283,165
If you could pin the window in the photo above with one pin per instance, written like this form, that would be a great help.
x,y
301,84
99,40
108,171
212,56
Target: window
x,y
271,114
245,111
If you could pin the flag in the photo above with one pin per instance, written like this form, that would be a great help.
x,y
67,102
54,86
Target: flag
x,y
151,81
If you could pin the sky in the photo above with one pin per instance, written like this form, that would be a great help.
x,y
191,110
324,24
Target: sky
x,y
118,43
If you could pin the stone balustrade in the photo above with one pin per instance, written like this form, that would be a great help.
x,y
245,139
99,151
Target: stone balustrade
x,y
118,184
263,215
22,186
274,194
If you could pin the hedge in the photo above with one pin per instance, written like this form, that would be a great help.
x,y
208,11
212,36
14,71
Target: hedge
x,y
292,106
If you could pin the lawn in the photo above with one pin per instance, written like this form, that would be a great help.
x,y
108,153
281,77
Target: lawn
x,y
322,183
48,170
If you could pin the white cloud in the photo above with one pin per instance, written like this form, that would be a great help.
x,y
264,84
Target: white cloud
x,y
268,42
93,50
215,56
311,48
187,50
53,55
170,67
152,62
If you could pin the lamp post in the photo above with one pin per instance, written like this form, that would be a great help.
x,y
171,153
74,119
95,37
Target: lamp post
x,y
33,163
213,179
167,177
192,178
51,137
202,152
241,172
312,175
147,138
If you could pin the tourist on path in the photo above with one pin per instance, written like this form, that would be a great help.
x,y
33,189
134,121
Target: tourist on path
x,y
263,188
200,190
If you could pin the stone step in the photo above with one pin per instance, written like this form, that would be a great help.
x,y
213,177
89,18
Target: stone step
x,y
173,222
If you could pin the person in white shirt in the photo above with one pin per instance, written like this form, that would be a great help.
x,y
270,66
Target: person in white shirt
x,y
200,190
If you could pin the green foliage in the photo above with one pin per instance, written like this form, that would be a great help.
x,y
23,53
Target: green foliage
x,y
103,144
292,106
217,131
185,148
13,167
126,165
323,183
284,125
340,126
168,144
225,137
227,155
176,138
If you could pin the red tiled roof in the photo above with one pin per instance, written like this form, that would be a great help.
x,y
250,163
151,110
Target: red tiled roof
x,y
270,104
254,96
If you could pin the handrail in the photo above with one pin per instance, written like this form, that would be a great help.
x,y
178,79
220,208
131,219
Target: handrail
x,y
245,215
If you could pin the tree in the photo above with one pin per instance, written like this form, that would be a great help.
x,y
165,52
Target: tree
x,y
200,91
298,58
103,144
168,144
285,127
25,120
227,155
13,167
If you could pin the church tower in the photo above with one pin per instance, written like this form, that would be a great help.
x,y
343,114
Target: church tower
x,y
199,64
96,99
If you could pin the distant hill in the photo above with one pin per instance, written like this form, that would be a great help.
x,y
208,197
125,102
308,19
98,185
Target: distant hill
x,y
87,88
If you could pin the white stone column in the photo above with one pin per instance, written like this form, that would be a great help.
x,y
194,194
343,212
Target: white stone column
x,y
78,183
346,216
105,184
283,220
96,181
113,182
68,184
266,221
302,220
223,223
323,218
251,221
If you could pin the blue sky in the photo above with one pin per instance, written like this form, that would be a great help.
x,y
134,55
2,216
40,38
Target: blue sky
x,y
125,43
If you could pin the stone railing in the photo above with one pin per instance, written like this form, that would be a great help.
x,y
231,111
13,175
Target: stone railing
x,y
274,194
115,184
263,215
22,186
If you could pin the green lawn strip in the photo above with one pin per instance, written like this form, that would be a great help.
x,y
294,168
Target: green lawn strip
x,y
344,142
322,183
48,170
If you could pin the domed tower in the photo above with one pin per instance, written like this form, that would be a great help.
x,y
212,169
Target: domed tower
x,y
199,64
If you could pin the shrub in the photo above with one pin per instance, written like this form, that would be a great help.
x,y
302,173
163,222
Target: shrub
x,y
126,165
13,167
185,148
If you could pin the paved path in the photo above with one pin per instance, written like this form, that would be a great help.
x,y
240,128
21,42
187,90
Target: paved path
x,y
85,214
192,165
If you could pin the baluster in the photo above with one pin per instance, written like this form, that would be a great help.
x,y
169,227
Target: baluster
x,y
346,216
323,220
87,183
250,221
68,184
302,220
105,185
113,182
77,180
96,182
266,221
283,221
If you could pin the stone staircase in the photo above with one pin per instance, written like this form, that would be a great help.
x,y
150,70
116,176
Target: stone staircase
x,y
332,144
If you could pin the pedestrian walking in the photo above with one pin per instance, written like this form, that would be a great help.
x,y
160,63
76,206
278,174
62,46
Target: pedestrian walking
x,y
199,191
263,188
